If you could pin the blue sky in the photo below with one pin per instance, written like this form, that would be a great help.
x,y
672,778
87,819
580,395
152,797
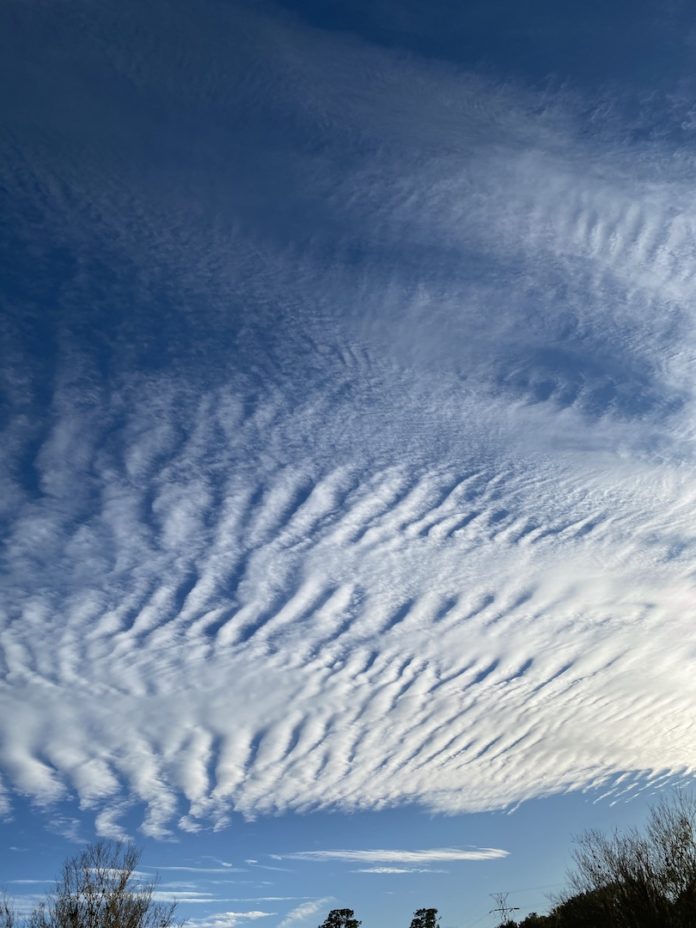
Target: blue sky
x,y
348,443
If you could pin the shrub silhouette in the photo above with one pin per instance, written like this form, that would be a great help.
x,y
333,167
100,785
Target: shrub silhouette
x,y
98,888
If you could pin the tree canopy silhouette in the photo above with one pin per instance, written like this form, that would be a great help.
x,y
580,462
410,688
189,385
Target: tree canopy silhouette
x,y
641,879
425,918
341,918
636,879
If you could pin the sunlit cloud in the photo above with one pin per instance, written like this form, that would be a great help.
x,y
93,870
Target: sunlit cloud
x,y
304,911
27,882
435,855
185,869
388,870
385,501
228,919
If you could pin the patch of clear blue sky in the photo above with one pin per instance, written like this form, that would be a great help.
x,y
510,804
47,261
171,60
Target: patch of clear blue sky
x,y
636,45
538,836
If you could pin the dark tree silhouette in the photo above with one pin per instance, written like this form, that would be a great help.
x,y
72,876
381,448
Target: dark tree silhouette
x,y
583,910
535,921
425,918
642,879
636,879
341,918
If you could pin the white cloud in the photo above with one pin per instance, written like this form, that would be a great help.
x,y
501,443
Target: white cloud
x,y
226,869
190,897
227,919
304,911
434,855
208,898
265,898
398,870
431,540
23,905
28,882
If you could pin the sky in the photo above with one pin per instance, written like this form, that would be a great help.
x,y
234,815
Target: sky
x,y
347,473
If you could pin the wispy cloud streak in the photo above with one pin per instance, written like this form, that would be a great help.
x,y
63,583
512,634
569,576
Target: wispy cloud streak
x,y
394,870
228,919
304,911
430,855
